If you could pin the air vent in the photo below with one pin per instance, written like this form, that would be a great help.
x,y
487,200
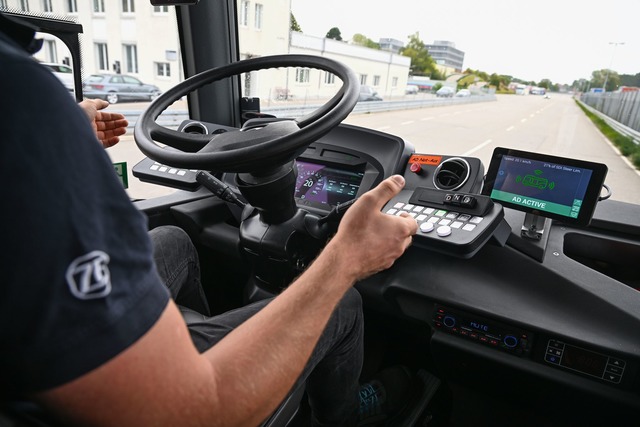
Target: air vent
x,y
195,128
452,174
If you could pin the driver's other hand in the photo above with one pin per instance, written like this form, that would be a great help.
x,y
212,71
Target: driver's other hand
x,y
369,240
107,126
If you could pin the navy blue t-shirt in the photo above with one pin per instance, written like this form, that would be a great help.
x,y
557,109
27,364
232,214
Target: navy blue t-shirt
x,y
77,280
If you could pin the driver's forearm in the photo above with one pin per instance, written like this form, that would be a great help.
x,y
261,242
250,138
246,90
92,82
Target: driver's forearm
x,y
256,365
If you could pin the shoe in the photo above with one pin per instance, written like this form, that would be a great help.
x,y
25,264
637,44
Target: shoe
x,y
384,395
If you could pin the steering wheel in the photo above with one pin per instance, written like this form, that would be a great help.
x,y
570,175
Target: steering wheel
x,y
254,146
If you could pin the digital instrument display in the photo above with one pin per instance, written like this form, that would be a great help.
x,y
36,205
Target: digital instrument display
x,y
327,185
549,186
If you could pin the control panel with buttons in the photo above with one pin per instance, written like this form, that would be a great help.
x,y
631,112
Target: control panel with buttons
x,y
483,331
453,223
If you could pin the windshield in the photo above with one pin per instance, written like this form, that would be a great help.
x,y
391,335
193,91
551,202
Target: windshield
x,y
456,79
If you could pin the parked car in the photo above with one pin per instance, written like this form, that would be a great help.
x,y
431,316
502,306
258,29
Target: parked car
x,y
63,72
367,93
463,93
445,92
118,87
411,90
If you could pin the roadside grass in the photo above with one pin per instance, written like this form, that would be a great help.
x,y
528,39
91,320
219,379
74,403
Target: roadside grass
x,y
624,143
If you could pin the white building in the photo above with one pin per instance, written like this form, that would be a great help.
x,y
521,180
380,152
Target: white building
x,y
142,40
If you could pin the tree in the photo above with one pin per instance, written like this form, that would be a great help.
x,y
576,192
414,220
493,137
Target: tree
x,y
545,83
422,64
630,80
598,78
293,24
362,40
334,33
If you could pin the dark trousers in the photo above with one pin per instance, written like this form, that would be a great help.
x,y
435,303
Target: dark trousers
x,y
332,372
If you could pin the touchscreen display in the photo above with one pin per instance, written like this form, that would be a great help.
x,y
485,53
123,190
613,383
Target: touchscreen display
x,y
327,185
545,185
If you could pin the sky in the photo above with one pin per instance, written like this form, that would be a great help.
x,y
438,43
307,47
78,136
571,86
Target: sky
x,y
559,40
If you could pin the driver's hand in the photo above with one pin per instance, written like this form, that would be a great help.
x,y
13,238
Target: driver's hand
x,y
107,126
369,240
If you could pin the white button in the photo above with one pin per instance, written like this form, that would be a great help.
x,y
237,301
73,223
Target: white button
x,y
426,227
163,169
392,211
445,222
440,213
173,171
469,227
429,211
476,219
421,217
443,231
154,167
456,224
182,173
408,207
413,214
452,215
433,219
398,205
464,217
418,208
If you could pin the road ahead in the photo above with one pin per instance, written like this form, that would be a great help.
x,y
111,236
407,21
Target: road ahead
x,y
555,126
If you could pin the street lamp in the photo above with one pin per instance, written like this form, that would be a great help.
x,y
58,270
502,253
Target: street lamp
x,y
615,44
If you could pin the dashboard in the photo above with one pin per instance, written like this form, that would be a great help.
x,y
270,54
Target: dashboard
x,y
559,313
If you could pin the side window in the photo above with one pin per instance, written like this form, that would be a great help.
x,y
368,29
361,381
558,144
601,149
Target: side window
x,y
116,79
258,17
244,13
102,56
131,58
98,6
128,6
163,69
131,80
72,6
302,75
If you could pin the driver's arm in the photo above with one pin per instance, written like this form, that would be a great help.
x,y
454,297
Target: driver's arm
x,y
162,380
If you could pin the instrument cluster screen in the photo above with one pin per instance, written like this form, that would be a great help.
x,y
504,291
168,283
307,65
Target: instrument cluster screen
x,y
327,185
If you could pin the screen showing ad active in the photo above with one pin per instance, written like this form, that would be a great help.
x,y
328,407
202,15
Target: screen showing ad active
x,y
550,186
326,186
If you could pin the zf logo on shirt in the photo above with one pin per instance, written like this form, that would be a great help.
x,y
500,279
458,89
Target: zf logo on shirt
x,y
88,276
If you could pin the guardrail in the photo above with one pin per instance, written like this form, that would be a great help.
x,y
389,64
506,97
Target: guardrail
x,y
173,118
619,127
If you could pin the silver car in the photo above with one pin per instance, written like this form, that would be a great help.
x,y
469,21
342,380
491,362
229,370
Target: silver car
x,y
118,87
63,72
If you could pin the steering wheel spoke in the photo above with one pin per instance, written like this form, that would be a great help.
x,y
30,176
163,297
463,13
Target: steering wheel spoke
x,y
186,142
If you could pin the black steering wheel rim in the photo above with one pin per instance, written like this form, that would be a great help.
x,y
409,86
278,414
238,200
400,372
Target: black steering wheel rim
x,y
280,144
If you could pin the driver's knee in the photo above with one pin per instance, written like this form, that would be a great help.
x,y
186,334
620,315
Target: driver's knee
x,y
177,264
347,320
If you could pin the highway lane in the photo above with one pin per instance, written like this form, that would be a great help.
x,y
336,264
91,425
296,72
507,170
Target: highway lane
x,y
555,126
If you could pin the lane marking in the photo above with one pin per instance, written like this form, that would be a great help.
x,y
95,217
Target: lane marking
x,y
407,123
523,120
427,118
510,128
478,147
